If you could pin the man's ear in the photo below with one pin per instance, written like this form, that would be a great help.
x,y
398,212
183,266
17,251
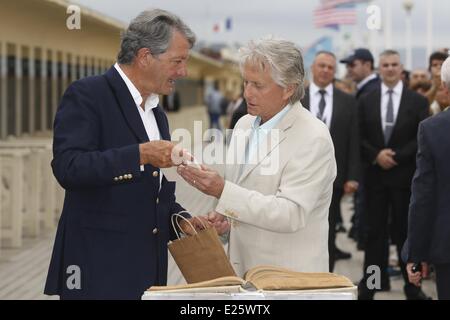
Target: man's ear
x,y
289,91
445,86
142,56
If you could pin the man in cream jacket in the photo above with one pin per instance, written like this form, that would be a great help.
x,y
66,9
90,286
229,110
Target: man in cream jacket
x,y
280,168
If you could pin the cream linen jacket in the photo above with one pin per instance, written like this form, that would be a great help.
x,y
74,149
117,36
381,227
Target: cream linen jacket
x,y
279,205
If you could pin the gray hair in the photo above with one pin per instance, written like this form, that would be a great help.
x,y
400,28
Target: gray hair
x,y
389,52
152,29
445,72
284,59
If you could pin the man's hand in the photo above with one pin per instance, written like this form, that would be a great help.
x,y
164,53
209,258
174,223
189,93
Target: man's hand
x,y
160,154
219,222
350,187
198,222
206,180
385,159
416,277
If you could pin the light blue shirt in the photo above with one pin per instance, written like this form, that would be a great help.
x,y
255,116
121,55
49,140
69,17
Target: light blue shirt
x,y
260,131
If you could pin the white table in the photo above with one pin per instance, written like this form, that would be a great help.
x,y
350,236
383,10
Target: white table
x,y
329,294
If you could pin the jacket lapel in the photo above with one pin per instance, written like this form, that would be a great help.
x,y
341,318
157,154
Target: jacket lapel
x,y
375,113
306,100
126,104
336,112
161,120
402,110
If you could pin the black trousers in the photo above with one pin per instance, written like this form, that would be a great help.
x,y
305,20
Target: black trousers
x,y
382,201
443,281
333,216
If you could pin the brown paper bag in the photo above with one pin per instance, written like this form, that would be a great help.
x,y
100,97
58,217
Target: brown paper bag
x,y
200,257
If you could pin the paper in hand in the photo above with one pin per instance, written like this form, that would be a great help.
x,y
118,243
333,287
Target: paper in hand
x,y
180,156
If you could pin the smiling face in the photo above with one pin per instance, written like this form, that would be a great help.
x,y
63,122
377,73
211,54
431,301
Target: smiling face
x,y
160,72
264,97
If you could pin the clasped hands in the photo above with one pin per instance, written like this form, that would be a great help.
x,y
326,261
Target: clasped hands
x,y
385,159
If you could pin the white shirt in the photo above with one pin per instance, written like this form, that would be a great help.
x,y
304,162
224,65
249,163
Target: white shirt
x,y
367,79
396,98
147,115
260,132
315,97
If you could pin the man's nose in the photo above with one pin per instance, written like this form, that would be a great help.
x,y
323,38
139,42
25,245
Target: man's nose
x,y
247,93
182,72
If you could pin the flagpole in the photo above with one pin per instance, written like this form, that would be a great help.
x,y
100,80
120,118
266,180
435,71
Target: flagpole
x,y
429,27
408,5
372,38
388,25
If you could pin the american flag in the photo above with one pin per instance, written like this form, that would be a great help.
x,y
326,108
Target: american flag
x,y
332,13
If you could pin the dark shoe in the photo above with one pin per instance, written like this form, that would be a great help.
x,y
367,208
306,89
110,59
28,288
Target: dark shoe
x,y
385,285
353,233
394,272
340,228
363,292
414,293
341,255
361,246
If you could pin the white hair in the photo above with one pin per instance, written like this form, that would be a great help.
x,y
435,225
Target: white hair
x,y
445,72
282,57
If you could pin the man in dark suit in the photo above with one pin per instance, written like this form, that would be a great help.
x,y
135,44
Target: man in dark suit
x,y
389,119
171,102
110,139
338,110
240,111
360,68
429,210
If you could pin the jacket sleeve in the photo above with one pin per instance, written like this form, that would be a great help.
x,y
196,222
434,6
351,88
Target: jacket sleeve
x,y
305,182
78,161
407,152
354,158
369,152
422,206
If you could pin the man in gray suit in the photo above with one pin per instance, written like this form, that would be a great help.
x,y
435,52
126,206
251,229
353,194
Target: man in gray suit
x,y
338,111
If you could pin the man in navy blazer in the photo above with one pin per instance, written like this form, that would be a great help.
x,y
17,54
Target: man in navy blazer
x,y
429,210
110,139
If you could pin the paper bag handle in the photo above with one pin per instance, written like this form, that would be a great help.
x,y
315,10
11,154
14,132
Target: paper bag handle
x,y
175,215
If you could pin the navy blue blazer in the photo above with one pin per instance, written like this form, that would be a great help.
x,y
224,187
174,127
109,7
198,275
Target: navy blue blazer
x,y
115,223
429,210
